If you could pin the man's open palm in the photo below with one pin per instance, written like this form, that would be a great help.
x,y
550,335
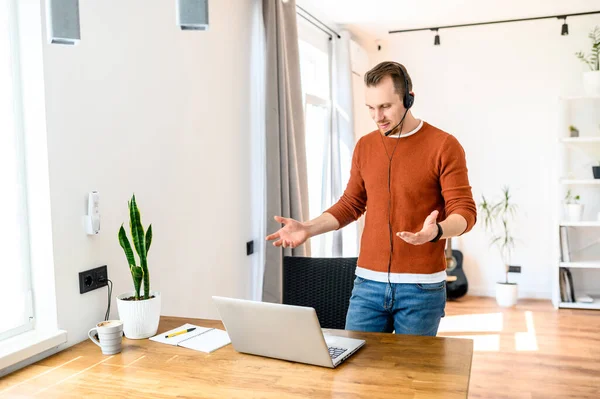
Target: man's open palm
x,y
291,235
427,233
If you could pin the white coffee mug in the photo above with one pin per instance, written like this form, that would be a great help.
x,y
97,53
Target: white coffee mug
x,y
110,334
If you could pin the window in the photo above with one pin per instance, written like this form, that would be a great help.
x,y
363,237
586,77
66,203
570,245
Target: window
x,y
315,68
15,280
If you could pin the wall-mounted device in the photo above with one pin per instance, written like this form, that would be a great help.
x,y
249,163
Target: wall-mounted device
x,y
192,14
92,219
63,21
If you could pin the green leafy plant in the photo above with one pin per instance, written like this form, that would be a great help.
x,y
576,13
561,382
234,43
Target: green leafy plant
x,y
574,131
593,59
571,199
141,242
498,218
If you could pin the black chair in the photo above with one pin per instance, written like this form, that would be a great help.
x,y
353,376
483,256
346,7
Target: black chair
x,y
322,283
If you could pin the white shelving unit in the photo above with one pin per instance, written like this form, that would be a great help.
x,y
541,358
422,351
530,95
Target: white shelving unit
x,y
580,140
580,224
580,305
584,265
581,182
584,97
576,155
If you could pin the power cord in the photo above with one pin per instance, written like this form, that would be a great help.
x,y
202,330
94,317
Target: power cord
x,y
390,157
110,285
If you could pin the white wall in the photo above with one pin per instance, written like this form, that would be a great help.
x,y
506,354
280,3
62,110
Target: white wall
x,y
140,106
496,89
360,65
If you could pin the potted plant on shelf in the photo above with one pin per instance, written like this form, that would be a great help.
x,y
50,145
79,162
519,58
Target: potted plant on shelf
x,y
498,218
139,310
591,78
574,131
573,209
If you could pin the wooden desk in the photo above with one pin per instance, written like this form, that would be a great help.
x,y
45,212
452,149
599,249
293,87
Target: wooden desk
x,y
388,366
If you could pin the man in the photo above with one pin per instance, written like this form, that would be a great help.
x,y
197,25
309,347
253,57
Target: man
x,y
406,175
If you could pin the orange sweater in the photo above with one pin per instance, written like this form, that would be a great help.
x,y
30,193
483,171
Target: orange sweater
x,y
429,172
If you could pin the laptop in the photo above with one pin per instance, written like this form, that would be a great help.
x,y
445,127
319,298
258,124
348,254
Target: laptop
x,y
284,332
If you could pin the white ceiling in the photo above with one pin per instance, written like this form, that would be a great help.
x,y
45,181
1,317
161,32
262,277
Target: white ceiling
x,y
375,18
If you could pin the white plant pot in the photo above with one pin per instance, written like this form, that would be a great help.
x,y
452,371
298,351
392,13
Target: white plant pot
x,y
140,318
591,83
574,212
507,294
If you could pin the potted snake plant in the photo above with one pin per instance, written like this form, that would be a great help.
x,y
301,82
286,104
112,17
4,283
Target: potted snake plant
x,y
139,310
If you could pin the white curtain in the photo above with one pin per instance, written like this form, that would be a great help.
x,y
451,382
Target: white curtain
x,y
345,241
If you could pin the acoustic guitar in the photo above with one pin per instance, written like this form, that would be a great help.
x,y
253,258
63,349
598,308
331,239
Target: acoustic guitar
x,y
456,283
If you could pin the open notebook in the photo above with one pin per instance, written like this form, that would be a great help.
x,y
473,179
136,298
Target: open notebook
x,y
201,339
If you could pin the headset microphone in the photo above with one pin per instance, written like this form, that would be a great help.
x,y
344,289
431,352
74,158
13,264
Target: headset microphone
x,y
394,128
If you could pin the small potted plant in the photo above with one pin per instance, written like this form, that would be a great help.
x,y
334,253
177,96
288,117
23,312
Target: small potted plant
x,y
139,310
498,219
574,131
573,209
596,171
591,78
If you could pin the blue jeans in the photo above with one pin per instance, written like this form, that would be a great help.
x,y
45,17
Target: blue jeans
x,y
416,310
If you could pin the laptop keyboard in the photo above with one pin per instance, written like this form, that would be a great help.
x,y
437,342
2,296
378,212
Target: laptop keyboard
x,y
335,352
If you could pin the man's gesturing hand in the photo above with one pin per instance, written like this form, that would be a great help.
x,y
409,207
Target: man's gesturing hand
x,y
427,233
291,235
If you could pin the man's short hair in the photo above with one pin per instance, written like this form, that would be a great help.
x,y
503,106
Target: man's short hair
x,y
389,68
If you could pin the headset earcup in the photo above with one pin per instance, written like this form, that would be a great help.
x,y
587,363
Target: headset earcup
x,y
409,99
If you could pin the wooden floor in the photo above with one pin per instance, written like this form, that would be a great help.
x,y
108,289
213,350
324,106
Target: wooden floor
x,y
530,351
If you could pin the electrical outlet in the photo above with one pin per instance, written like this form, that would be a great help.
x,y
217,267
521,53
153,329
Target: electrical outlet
x,y
250,247
89,280
514,269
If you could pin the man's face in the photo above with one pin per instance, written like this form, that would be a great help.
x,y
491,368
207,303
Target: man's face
x,y
385,105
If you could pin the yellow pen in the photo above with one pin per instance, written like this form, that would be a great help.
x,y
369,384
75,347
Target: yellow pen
x,y
180,332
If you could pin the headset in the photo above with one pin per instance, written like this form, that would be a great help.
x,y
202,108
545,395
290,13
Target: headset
x,y
407,100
